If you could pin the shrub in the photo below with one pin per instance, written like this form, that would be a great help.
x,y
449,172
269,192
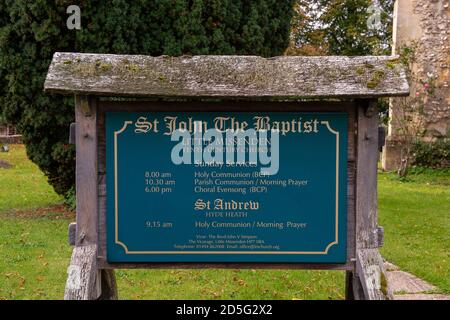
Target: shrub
x,y
432,154
70,199
31,31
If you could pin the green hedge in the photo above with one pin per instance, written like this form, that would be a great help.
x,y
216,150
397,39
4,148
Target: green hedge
x,y
432,154
31,31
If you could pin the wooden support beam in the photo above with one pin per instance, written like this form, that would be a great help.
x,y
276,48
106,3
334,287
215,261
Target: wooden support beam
x,y
86,171
72,133
366,176
353,287
349,294
372,275
368,280
72,233
83,282
109,285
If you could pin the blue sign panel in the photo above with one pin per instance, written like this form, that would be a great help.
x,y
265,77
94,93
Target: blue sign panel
x,y
226,187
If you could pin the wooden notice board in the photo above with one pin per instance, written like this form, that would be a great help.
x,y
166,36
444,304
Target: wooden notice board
x,y
161,182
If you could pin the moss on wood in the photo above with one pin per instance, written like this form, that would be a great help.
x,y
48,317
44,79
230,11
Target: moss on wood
x,y
225,76
360,71
384,284
394,64
377,77
368,65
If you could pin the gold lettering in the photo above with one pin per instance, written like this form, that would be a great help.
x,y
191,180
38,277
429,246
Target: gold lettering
x,y
201,205
144,126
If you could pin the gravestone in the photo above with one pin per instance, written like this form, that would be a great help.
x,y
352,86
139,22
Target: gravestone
x,y
226,162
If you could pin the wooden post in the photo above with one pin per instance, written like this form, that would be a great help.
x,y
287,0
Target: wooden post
x,y
109,285
84,278
368,281
86,170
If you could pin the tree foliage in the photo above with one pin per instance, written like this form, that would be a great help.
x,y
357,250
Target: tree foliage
x,y
31,31
341,27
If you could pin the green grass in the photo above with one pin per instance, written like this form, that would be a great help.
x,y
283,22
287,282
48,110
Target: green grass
x,y
35,256
231,284
23,186
35,253
416,216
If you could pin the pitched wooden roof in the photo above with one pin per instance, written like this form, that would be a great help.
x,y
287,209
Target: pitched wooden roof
x,y
229,77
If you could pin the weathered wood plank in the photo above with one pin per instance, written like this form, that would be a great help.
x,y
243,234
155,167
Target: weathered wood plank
x,y
72,233
351,211
372,276
353,287
366,176
82,282
369,277
229,77
86,171
109,285
102,221
103,264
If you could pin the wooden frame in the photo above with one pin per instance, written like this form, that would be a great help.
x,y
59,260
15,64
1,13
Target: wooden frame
x,y
143,106
283,84
362,233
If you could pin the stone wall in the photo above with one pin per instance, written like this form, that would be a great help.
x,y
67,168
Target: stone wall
x,y
9,135
426,23
7,130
